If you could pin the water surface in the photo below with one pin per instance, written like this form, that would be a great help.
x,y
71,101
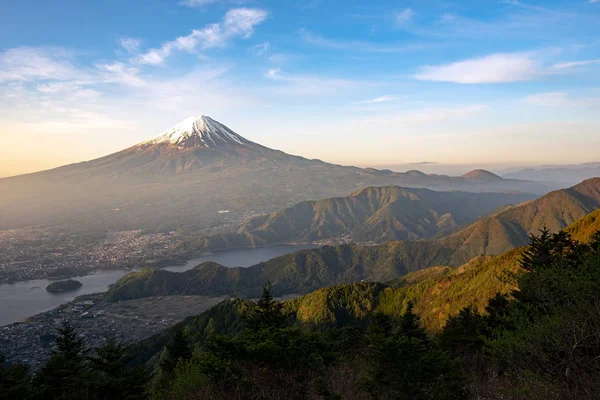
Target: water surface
x,y
23,299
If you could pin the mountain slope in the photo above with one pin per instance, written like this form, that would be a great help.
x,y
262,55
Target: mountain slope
x,y
188,176
482,175
375,214
511,228
437,293
307,270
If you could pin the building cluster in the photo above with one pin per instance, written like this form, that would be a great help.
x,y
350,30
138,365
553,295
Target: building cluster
x,y
34,253
32,340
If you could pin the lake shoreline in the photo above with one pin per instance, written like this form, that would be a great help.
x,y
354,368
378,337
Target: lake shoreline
x,y
23,299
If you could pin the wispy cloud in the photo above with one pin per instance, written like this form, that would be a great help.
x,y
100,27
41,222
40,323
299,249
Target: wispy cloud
x,y
308,84
120,73
404,17
238,22
358,45
73,90
131,45
196,3
574,64
499,68
561,99
260,49
380,99
31,64
495,68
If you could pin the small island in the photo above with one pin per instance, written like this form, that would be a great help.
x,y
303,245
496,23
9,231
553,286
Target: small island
x,y
63,286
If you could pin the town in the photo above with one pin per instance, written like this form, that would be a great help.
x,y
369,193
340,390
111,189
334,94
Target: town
x,y
31,341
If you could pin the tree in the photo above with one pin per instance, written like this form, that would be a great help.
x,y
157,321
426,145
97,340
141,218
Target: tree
x,y
15,382
66,374
267,312
539,252
117,379
407,365
410,324
176,351
462,334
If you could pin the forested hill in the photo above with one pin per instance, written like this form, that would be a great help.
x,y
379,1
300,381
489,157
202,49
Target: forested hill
x,y
374,214
437,293
308,270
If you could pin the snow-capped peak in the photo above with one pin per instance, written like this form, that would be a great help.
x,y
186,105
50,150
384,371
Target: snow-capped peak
x,y
200,131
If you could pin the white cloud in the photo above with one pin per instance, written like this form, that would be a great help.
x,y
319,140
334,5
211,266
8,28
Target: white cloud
x,y
573,64
380,99
405,16
358,45
274,73
561,99
594,1
260,49
495,68
70,89
120,73
548,99
31,64
196,3
308,84
238,22
131,45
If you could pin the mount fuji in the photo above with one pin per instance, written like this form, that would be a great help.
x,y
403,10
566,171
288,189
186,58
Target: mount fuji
x,y
196,175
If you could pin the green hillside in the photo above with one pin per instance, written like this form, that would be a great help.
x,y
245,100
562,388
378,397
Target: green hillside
x,y
375,214
438,293
584,229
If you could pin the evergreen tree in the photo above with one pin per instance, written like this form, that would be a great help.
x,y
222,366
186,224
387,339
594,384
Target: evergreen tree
x,y
15,382
410,324
66,374
267,312
463,332
380,325
539,252
117,380
407,365
175,352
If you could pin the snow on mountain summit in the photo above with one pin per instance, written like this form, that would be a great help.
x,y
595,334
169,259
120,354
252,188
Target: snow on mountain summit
x,y
202,132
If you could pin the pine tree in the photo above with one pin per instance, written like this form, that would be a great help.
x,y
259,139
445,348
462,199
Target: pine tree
x,y
176,351
66,374
539,252
410,324
117,380
15,382
267,312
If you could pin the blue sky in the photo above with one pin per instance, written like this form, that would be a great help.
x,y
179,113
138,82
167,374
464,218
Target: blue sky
x,y
490,83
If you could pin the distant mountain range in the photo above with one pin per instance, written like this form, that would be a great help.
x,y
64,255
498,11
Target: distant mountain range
x,y
568,174
374,214
307,270
191,175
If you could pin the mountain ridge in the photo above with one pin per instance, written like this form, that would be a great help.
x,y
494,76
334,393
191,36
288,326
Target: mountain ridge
x,y
307,270
372,214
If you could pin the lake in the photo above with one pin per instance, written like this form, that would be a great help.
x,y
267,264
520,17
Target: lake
x,y
26,298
